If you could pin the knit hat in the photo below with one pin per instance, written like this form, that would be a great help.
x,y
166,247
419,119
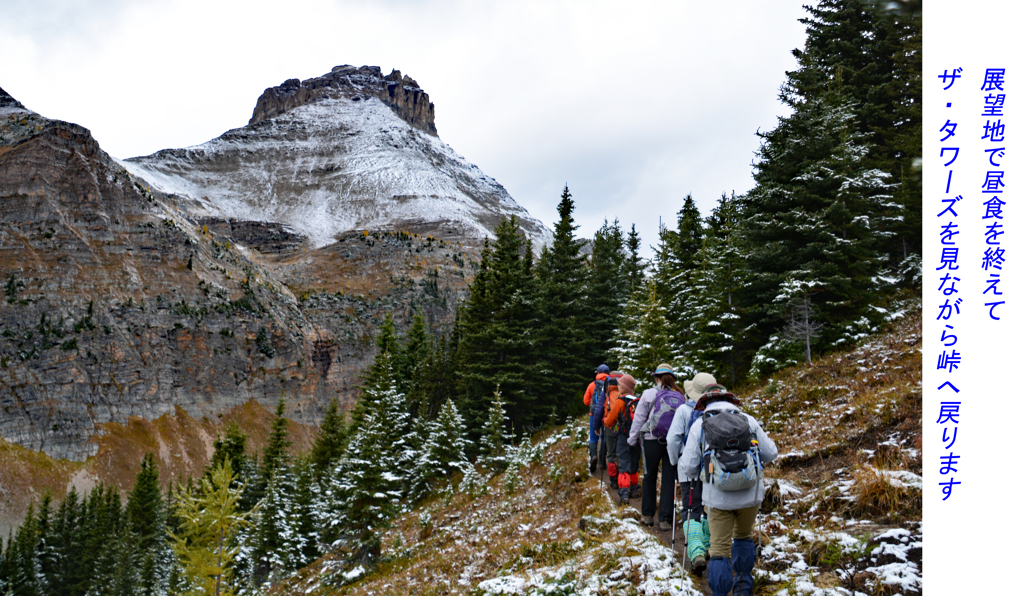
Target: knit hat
x,y
664,369
626,384
698,385
603,368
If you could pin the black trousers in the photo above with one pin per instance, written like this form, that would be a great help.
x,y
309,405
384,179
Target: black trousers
x,y
655,455
692,500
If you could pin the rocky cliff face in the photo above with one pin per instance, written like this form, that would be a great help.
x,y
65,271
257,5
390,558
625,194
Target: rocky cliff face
x,y
119,301
348,151
400,93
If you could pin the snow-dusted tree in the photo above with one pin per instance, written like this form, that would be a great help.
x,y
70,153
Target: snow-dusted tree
x,y
643,342
496,437
361,489
716,333
818,215
443,451
674,266
473,483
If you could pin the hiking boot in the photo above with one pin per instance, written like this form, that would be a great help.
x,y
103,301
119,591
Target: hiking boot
x,y
634,492
698,565
665,526
647,520
623,496
614,483
593,465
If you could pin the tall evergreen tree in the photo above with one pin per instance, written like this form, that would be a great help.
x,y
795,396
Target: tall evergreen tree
x,y
675,267
330,439
275,455
497,327
412,353
606,293
814,217
634,268
146,538
716,338
564,313
644,343
874,57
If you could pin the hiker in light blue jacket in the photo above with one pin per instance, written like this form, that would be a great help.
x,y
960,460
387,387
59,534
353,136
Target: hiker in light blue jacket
x,y
731,513
696,526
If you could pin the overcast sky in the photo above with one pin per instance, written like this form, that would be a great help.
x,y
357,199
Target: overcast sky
x,y
632,104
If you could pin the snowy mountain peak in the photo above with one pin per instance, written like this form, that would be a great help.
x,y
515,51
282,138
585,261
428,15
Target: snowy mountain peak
x,y
351,150
401,94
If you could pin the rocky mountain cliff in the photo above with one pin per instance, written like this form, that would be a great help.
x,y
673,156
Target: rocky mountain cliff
x,y
255,267
351,150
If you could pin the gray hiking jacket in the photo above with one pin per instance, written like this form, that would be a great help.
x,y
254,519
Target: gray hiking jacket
x,y
677,435
690,462
643,410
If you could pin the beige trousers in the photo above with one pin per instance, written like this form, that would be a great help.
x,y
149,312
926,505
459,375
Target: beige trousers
x,y
727,525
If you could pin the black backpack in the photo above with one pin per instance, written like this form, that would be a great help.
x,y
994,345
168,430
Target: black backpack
x,y
732,460
625,420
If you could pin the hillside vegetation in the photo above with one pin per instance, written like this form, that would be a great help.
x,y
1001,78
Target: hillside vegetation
x,y
843,513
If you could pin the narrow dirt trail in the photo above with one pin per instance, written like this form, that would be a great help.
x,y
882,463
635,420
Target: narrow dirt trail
x,y
664,537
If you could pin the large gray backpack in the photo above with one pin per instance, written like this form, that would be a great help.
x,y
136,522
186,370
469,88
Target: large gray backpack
x,y
732,459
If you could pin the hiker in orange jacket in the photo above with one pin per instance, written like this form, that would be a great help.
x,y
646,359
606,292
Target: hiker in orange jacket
x,y
617,423
595,418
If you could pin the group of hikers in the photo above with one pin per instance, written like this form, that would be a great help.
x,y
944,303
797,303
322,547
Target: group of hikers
x,y
704,444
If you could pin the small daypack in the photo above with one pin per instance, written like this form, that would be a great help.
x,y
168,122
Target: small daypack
x,y
625,420
732,460
597,399
666,402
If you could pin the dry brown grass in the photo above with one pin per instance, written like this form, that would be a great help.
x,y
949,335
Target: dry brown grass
x,y
473,538
841,402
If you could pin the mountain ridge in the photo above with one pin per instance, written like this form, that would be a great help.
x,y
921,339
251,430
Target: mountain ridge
x,y
349,151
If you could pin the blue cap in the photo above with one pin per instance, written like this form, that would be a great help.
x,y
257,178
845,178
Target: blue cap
x,y
603,368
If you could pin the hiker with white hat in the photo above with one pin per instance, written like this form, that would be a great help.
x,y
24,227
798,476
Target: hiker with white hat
x,y
696,526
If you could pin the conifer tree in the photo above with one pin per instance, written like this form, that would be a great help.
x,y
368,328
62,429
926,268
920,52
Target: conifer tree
x,y
446,445
716,337
146,539
273,541
204,545
433,385
412,353
634,269
606,292
358,505
563,311
676,262
330,439
496,437
644,343
498,332
387,346
274,455
816,216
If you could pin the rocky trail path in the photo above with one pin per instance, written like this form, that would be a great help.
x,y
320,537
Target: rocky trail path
x,y
664,536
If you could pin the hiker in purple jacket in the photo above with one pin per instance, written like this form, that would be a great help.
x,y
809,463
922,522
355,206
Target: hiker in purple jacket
x,y
655,453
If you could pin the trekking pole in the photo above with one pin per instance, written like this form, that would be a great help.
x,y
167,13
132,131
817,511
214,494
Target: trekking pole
x,y
675,487
686,527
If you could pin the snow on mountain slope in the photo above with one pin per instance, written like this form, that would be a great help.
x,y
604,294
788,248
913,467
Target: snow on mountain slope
x,y
343,161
